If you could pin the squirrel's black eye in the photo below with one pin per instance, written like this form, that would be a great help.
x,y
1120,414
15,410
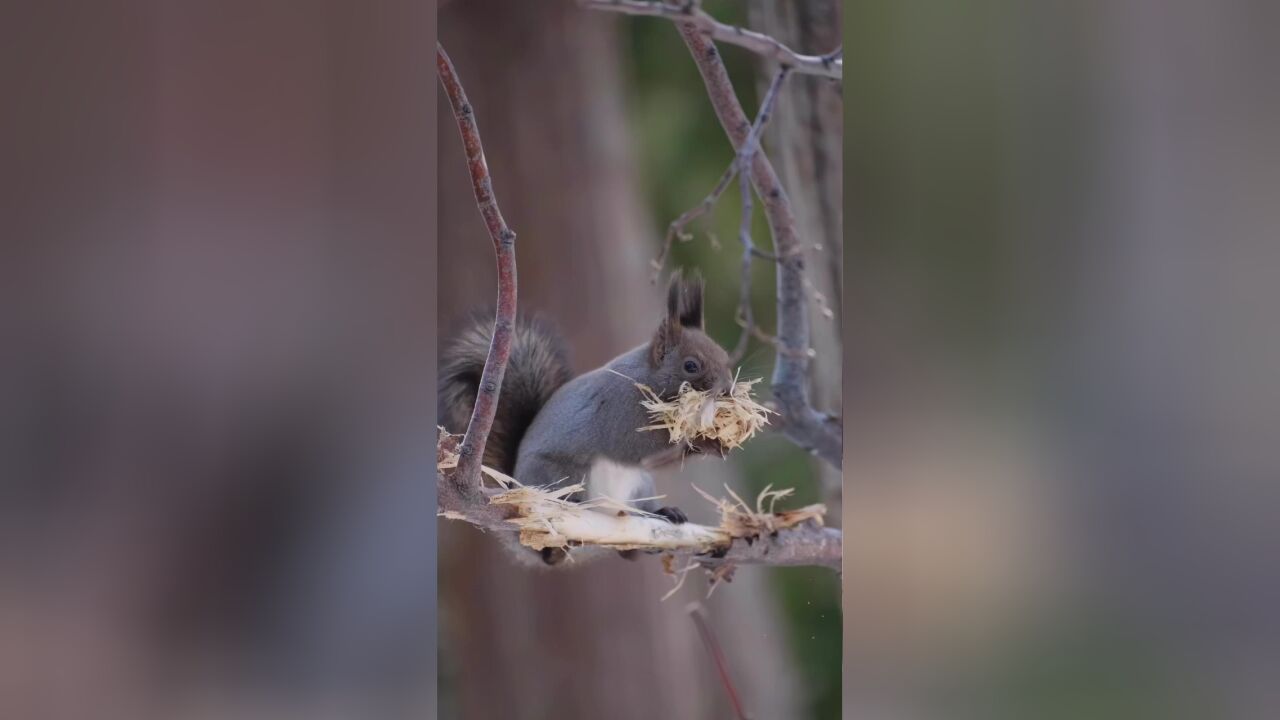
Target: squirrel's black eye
x,y
691,366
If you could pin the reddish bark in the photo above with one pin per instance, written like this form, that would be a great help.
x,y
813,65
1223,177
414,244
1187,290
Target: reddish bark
x,y
467,476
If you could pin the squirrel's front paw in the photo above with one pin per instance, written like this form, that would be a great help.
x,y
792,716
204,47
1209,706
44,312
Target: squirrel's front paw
x,y
674,515
707,446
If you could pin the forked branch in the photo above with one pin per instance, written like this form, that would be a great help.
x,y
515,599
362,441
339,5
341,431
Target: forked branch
x,y
830,65
745,156
814,431
466,479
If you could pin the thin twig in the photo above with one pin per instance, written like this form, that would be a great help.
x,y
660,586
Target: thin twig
x,y
743,160
830,65
699,616
799,421
467,475
677,226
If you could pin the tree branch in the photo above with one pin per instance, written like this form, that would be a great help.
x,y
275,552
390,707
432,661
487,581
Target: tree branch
x,y
802,424
466,479
743,162
699,616
545,519
677,226
830,65
788,538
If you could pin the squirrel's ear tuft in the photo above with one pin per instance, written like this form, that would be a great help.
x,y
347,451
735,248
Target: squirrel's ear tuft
x,y
668,334
675,289
691,315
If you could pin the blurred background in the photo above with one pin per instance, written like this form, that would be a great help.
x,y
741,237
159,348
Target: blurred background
x,y
598,133
215,349
1063,271
216,358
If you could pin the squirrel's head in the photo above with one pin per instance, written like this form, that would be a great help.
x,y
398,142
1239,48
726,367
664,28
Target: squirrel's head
x,y
681,351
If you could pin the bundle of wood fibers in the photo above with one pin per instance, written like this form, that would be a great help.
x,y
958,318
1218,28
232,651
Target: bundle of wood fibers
x,y
692,414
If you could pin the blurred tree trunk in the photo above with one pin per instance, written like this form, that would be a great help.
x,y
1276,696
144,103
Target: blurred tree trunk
x,y
215,492
594,642
805,141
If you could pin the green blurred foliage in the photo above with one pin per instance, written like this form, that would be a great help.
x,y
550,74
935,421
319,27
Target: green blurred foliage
x,y
1089,665
681,152
811,599
928,154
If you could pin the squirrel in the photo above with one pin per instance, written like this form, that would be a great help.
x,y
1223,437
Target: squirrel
x,y
552,427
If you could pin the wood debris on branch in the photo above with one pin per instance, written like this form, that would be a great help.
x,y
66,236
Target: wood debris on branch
x,y
544,517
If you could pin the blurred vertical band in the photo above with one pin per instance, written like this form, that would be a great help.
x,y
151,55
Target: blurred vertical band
x,y
1063,397
217,316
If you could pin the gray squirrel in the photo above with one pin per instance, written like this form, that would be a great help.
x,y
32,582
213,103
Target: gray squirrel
x,y
551,427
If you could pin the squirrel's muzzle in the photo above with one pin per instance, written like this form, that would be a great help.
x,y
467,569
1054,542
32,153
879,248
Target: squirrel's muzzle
x,y
721,386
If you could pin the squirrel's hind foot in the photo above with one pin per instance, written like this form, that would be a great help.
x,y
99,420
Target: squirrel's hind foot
x,y
554,555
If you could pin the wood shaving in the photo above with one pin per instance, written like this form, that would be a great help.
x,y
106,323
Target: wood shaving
x,y
731,419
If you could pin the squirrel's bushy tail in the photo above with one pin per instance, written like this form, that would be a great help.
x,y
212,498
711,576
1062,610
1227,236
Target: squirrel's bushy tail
x,y
537,367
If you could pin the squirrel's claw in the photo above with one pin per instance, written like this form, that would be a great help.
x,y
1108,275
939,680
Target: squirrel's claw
x,y
674,515
553,555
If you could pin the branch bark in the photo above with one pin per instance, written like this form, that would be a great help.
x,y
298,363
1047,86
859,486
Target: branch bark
x,y
466,479
699,616
805,147
743,162
801,545
797,539
818,433
830,65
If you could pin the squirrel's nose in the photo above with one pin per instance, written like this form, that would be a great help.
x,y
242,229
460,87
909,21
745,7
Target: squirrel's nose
x,y
723,386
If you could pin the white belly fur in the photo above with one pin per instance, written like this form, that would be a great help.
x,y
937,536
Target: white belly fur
x,y
619,482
